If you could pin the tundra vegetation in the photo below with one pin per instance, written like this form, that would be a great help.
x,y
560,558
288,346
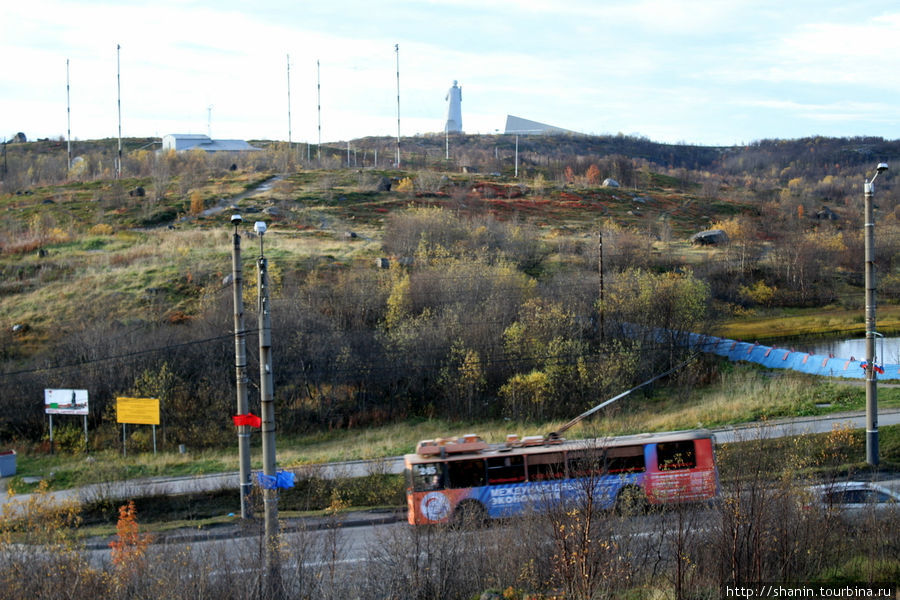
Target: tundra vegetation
x,y
430,294
490,303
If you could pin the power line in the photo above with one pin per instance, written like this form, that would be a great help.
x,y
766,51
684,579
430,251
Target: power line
x,y
115,356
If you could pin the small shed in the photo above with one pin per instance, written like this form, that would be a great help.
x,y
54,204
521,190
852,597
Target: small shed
x,y
710,237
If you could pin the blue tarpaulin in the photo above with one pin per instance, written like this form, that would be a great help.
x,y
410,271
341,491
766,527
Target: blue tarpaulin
x,y
785,358
767,356
281,479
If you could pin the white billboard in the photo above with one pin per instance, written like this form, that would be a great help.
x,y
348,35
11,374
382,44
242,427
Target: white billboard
x,y
66,402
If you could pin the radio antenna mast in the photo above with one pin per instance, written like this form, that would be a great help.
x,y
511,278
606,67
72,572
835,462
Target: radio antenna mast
x,y
119,90
289,98
68,122
397,51
319,104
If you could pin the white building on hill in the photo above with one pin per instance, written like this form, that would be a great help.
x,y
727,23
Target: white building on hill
x,y
181,142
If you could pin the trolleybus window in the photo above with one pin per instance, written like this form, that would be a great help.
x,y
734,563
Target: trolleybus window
x,y
584,463
428,477
542,467
672,456
506,469
625,459
466,473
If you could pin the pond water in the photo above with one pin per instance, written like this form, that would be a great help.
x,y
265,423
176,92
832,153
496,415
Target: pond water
x,y
887,350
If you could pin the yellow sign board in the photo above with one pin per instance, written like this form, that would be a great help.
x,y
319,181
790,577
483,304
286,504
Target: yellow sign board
x,y
137,411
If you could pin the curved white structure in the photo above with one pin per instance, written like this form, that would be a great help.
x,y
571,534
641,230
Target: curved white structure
x,y
454,111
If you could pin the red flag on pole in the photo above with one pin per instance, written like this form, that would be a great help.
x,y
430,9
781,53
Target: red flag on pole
x,y
248,419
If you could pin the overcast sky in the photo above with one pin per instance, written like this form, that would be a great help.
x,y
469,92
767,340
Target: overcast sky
x,y
708,72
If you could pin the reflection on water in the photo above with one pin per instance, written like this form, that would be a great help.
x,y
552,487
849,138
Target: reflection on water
x,y
887,350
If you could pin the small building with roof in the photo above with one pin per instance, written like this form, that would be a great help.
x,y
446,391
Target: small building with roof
x,y
182,142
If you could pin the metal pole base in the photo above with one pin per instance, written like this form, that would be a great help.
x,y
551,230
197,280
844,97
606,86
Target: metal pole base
x,y
872,447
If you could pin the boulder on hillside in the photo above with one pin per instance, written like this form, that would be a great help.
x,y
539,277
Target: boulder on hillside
x,y
710,237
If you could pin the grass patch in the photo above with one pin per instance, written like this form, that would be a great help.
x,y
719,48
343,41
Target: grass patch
x,y
779,324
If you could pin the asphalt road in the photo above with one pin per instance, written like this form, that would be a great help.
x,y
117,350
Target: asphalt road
x,y
357,538
156,486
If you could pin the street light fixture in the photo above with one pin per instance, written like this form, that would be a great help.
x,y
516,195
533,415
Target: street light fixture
x,y
871,374
267,409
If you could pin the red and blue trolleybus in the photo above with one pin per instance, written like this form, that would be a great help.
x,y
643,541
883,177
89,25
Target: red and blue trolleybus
x,y
455,478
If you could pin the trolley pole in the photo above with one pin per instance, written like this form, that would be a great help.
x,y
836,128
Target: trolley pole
x,y
871,376
240,369
267,408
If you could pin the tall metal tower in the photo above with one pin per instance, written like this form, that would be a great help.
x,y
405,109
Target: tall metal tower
x,y
319,107
68,124
289,98
454,110
397,51
119,103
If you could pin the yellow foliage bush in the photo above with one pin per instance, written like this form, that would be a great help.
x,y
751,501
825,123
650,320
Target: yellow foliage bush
x,y
405,185
758,293
101,229
196,202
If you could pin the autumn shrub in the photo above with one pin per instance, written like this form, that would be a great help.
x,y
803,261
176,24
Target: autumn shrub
x,y
101,229
130,546
40,556
197,203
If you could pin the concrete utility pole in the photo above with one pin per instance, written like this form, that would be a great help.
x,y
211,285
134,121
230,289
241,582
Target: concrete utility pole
x,y
267,408
871,376
240,369
600,270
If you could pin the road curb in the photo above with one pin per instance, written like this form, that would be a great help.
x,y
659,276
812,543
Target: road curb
x,y
256,528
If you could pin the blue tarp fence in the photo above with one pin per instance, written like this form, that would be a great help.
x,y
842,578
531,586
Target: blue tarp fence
x,y
785,358
774,357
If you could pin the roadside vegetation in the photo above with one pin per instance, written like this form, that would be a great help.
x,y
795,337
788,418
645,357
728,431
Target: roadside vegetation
x,y
741,394
764,528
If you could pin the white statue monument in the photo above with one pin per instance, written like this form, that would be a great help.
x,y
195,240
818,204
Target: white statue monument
x,y
454,111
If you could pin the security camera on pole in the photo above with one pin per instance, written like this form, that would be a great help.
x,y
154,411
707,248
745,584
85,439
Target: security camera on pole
x,y
871,381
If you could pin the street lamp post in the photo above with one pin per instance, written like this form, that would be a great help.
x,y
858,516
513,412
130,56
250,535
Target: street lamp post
x,y
522,131
871,377
517,156
267,410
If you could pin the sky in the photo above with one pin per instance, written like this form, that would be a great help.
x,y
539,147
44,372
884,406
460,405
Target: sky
x,y
704,72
